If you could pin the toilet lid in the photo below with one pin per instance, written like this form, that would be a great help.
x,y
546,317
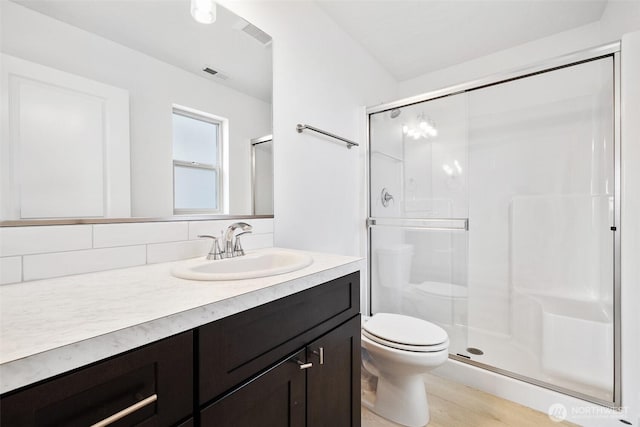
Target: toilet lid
x,y
405,330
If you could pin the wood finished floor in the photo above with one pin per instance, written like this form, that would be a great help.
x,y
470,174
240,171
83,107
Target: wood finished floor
x,y
456,405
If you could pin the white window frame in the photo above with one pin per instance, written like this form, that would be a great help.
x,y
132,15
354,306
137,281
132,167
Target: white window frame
x,y
219,167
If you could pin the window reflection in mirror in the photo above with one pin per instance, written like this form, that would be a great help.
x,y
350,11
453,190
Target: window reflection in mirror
x,y
197,168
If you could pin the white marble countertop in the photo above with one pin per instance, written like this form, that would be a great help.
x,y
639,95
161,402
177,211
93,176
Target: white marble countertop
x,y
51,326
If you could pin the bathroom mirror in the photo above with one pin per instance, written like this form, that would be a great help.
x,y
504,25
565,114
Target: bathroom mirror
x,y
126,109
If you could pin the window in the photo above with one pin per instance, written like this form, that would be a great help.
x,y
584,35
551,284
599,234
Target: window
x,y
197,160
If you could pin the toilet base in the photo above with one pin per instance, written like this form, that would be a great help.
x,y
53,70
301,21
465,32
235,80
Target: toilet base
x,y
401,399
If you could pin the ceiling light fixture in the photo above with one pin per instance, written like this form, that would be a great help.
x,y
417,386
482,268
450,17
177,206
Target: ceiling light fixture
x,y
203,11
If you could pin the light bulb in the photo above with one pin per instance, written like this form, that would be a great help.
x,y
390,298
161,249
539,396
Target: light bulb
x,y
203,11
405,129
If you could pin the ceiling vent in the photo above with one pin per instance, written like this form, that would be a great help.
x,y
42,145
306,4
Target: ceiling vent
x,y
253,31
215,73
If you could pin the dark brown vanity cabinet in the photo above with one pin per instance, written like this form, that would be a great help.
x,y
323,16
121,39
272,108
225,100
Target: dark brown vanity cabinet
x,y
317,386
294,361
149,386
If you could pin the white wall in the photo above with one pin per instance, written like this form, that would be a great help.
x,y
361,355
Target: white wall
x,y
630,212
499,62
618,18
154,86
322,78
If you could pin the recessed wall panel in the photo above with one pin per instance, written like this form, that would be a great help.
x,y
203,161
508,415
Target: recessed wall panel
x,y
60,137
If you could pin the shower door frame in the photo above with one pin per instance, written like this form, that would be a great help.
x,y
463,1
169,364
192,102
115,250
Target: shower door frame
x,y
608,50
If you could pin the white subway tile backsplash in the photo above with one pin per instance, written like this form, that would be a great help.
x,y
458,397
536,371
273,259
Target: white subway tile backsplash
x,y
40,252
110,235
42,239
165,252
213,228
76,262
257,241
10,270
260,226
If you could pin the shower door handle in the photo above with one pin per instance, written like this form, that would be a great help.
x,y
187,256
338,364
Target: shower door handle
x,y
446,224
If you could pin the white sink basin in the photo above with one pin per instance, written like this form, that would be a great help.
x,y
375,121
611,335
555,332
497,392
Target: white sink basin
x,y
254,264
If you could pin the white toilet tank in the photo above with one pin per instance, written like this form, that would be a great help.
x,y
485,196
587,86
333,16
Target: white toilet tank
x,y
394,265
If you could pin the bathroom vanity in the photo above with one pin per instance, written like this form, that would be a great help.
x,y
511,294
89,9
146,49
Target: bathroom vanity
x,y
282,350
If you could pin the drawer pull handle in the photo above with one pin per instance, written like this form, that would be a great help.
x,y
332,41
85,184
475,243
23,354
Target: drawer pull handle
x,y
126,411
320,353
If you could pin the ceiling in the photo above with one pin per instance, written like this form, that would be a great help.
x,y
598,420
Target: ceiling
x,y
165,30
411,38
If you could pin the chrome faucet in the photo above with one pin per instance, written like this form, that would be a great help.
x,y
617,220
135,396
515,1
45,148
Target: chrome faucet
x,y
230,249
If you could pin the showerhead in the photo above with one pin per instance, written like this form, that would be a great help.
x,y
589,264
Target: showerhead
x,y
395,113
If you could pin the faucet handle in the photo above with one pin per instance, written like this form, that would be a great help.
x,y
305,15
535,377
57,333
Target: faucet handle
x,y
214,252
237,247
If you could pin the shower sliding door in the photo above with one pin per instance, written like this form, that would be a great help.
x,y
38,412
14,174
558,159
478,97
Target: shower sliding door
x,y
493,214
541,248
419,210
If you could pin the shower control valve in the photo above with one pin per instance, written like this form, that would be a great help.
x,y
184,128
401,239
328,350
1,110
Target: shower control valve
x,y
385,197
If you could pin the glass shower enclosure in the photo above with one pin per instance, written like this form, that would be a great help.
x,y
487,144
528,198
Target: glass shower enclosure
x,y
493,213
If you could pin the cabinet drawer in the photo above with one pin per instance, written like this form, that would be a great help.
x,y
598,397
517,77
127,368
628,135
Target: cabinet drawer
x,y
237,347
154,382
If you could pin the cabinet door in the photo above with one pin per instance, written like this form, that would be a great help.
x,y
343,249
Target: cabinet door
x,y
150,386
233,349
274,399
333,384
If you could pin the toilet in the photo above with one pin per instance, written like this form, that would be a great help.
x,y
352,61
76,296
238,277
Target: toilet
x,y
398,350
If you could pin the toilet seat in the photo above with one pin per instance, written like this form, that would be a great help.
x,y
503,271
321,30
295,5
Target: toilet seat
x,y
405,333
407,347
